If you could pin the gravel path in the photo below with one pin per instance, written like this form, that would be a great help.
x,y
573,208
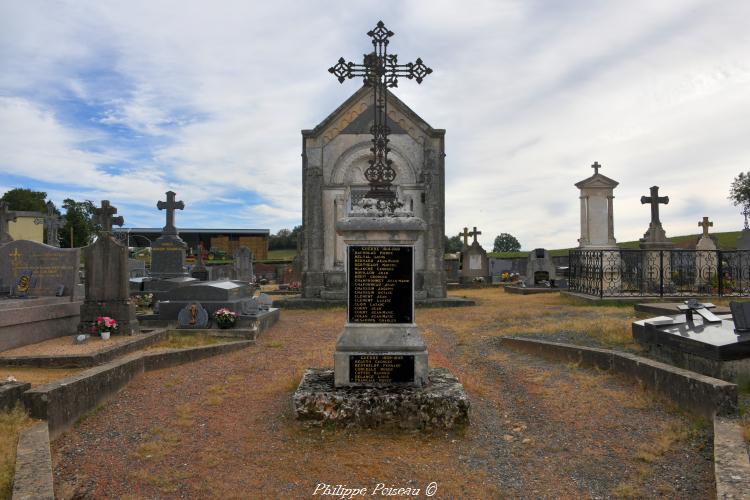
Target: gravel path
x,y
223,428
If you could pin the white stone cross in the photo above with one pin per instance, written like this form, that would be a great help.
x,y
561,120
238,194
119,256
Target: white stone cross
x,y
705,224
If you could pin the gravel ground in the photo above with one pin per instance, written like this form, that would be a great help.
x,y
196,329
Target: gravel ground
x,y
223,427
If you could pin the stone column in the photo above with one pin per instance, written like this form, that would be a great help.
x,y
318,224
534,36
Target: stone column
x,y
434,273
312,273
584,222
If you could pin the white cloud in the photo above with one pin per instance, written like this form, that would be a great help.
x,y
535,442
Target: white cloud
x,y
531,93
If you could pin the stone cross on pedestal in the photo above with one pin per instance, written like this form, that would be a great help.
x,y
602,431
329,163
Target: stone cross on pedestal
x,y
475,233
655,200
705,224
746,212
465,234
52,222
170,206
104,217
5,218
596,167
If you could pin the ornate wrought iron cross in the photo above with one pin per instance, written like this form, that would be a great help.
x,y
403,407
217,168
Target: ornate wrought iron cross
x,y
170,206
654,200
381,71
104,217
705,224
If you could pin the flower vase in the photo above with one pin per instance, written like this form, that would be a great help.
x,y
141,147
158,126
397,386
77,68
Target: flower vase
x,y
105,335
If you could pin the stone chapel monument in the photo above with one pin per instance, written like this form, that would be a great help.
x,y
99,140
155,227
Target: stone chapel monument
x,y
335,156
597,219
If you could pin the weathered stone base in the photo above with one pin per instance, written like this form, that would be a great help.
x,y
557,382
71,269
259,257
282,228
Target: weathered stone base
x,y
121,311
442,404
530,290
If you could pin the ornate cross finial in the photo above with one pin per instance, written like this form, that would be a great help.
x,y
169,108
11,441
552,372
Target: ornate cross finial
x,y
6,217
52,222
596,167
654,200
475,233
705,224
465,234
104,217
170,206
380,70
746,212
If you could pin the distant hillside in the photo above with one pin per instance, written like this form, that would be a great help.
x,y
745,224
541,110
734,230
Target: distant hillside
x,y
725,241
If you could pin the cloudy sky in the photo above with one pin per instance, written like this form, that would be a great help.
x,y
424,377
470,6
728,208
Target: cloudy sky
x,y
125,100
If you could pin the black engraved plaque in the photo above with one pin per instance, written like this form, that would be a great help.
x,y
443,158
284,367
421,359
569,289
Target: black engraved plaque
x,y
380,284
381,368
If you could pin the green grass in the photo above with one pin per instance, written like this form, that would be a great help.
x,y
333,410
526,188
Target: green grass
x,y
283,254
725,241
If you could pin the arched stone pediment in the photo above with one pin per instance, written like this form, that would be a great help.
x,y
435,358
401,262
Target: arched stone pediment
x,y
350,167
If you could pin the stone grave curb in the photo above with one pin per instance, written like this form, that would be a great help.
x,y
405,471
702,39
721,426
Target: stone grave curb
x,y
529,291
731,460
10,393
33,474
700,394
670,309
62,402
616,298
87,360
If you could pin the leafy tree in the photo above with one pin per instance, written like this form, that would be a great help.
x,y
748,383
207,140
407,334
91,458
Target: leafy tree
x,y
506,243
739,191
25,200
452,244
78,217
284,239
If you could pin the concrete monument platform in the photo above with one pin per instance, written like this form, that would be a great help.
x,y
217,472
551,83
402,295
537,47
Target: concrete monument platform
x,y
442,404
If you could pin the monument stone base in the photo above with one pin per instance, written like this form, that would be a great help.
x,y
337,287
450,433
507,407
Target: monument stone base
x,y
121,311
442,404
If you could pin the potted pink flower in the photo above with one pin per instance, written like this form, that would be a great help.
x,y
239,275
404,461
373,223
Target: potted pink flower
x,y
105,326
225,318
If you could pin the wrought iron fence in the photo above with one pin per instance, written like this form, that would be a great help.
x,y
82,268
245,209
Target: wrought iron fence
x,y
660,273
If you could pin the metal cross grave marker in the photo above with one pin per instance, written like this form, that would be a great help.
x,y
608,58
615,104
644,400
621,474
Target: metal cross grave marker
x,y
380,70
705,224
170,206
655,200
104,217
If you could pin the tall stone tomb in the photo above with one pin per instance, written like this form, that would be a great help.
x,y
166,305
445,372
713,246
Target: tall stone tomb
x,y
107,276
597,219
168,250
335,155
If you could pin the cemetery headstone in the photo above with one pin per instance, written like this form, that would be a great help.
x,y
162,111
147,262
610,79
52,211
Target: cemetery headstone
x,y
6,217
49,267
655,237
52,223
474,262
743,241
264,302
706,259
168,250
199,271
136,268
107,282
212,295
193,315
243,264
597,219
540,270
